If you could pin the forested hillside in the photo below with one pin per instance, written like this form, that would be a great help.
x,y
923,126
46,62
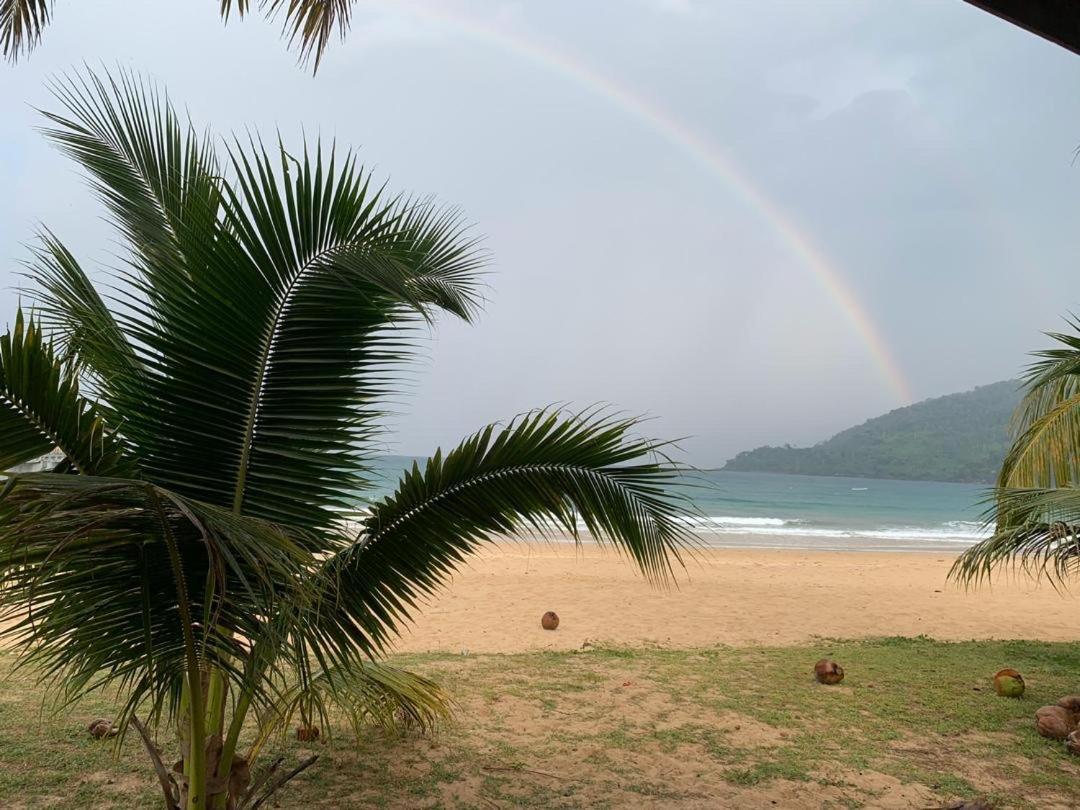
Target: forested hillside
x,y
959,437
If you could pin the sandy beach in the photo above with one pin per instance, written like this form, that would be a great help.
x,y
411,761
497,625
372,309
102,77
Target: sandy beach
x,y
726,596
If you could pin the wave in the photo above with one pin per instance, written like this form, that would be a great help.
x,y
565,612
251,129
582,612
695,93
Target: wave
x,y
798,533
954,531
788,531
728,520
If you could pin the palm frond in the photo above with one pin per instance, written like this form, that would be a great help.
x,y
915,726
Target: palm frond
x,y
1047,450
367,693
309,24
70,308
21,24
544,472
1035,508
156,175
349,271
1046,424
311,272
94,569
41,408
1037,532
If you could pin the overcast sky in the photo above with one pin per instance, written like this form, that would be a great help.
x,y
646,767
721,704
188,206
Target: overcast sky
x,y
923,151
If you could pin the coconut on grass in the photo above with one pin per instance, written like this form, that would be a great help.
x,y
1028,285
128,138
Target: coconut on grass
x,y
101,728
1009,683
1055,722
1072,743
828,672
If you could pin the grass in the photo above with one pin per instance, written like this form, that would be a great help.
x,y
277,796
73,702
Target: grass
x,y
915,723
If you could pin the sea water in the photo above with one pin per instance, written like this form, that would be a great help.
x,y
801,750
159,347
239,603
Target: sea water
x,y
770,510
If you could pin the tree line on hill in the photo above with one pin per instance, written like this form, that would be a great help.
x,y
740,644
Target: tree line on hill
x,y
959,437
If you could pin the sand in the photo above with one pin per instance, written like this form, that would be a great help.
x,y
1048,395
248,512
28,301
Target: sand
x,y
725,596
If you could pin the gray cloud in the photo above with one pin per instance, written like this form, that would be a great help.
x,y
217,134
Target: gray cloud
x,y
926,149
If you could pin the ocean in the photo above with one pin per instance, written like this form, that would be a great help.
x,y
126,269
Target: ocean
x,y
770,510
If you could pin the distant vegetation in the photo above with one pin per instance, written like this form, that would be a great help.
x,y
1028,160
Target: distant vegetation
x,y
959,437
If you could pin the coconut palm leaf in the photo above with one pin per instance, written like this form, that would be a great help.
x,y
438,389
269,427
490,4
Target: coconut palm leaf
x,y
307,268
307,24
158,178
1037,532
368,693
544,472
97,571
1035,509
70,308
349,271
41,408
21,24
1046,451
1047,422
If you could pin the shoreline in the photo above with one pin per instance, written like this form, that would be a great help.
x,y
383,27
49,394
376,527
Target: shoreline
x,y
857,544
773,597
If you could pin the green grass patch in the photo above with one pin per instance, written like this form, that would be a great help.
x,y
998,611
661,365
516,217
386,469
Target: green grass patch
x,y
914,720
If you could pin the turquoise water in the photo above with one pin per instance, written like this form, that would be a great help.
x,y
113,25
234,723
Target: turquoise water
x,y
768,510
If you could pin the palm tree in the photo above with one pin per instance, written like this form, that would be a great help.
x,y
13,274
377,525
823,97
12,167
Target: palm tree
x,y
308,24
216,412
1036,505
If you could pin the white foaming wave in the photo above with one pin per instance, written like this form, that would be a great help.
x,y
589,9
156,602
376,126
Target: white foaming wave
x,y
955,531
912,533
710,521
961,532
719,523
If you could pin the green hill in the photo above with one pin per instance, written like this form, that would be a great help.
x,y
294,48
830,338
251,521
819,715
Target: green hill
x,y
959,437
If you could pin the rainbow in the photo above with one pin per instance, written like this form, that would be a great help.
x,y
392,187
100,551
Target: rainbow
x,y
705,154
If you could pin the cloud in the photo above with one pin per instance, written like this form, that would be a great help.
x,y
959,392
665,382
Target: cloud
x,y
678,8
924,150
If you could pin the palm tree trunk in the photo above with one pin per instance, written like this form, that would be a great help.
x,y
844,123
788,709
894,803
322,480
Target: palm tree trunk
x,y
217,692
243,700
195,764
228,750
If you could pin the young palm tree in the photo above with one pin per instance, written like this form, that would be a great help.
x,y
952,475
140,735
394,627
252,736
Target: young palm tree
x,y
1036,505
191,549
308,24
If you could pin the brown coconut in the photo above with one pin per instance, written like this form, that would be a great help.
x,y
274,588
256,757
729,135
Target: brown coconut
x,y
828,672
307,733
1071,702
550,620
102,728
1072,743
1055,722
239,777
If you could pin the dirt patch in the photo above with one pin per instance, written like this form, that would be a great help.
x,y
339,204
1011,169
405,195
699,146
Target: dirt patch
x,y
888,792
116,782
746,732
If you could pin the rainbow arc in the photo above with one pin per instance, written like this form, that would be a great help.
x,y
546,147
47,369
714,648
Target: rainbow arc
x,y
707,155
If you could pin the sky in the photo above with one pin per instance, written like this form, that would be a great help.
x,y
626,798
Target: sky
x,y
749,222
